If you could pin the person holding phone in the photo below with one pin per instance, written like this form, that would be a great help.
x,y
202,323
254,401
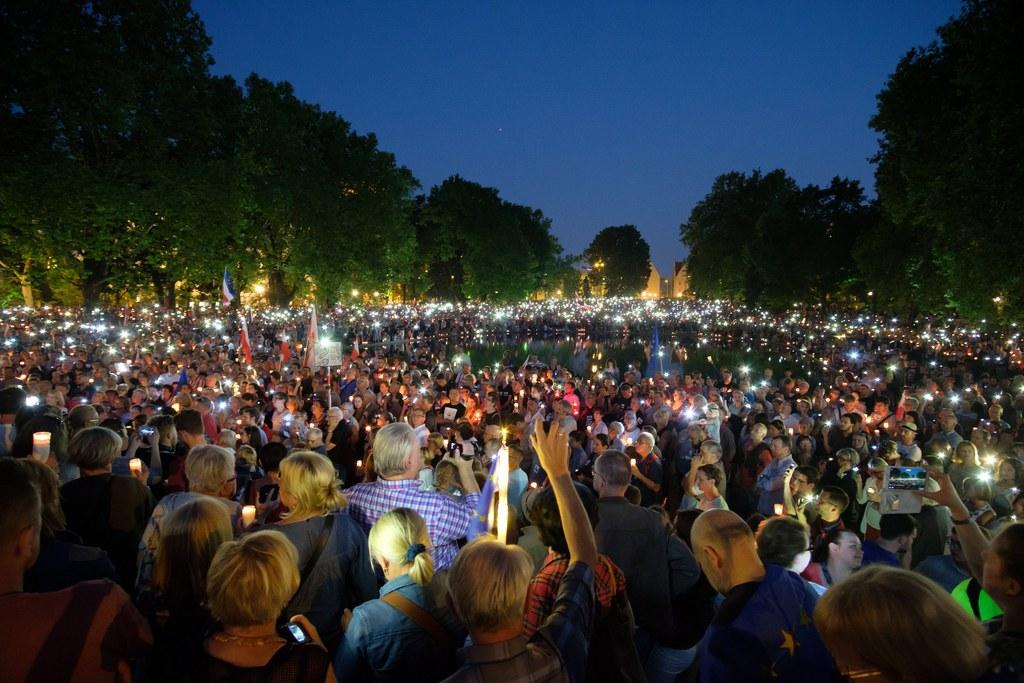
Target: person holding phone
x,y
249,584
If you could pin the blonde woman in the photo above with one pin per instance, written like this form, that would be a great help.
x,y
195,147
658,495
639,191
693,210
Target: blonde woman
x,y
404,635
333,558
176,606
888,624
249,584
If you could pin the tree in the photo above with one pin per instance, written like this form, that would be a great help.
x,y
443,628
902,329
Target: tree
x,y
948,171
762,239
472,244
622,257
112,104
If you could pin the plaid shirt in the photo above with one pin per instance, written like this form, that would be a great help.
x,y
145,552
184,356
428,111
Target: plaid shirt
x,y
609,581
556,652
447,519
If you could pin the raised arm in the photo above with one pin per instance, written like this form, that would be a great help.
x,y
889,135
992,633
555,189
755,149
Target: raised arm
x,y
552,447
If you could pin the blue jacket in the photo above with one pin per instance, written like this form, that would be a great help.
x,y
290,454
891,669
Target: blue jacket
x,y
763,632
382,644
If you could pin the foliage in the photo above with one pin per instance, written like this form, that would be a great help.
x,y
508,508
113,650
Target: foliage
x,y
474,245
620,258
762,238
949,171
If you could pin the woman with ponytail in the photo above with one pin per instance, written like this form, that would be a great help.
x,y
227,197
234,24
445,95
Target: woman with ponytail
x,y
334,562
405,635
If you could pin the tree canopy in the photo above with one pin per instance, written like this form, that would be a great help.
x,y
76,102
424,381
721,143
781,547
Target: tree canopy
x,y
620,259
949,172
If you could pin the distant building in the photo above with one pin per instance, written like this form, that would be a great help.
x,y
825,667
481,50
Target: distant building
x,y
680,287
653,288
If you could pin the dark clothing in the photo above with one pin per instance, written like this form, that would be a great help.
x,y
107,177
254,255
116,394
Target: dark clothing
x,y
763,632
876,554
342,577
657,564
293,663
63,562
110,512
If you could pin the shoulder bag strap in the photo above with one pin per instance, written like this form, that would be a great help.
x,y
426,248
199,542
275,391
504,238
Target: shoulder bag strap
x,y
420,617
321,543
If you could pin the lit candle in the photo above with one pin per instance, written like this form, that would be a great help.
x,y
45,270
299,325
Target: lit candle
x,y
359,463
632,462
135,465
41,446
502,475
248,515
778,508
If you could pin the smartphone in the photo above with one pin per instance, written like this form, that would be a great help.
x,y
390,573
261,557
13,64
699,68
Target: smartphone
x,y
146,431
906,479
294,633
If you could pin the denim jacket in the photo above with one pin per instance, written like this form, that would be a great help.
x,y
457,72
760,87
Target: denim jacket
x,y
382,644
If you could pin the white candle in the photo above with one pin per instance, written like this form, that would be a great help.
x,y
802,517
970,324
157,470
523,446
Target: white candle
x,y
778,508
248,515
135,465
41,446
359,463
502,474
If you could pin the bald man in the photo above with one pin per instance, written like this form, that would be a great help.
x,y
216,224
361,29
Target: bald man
x,y
763,629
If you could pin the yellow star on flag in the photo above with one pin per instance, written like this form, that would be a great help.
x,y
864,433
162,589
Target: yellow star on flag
x,y
788,642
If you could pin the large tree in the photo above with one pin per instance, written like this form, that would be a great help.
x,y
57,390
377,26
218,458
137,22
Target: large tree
x,y
114,138
474,245
762,239
621,260
949,172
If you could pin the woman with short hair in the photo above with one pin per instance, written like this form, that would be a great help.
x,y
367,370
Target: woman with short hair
x,y
249,584
333,558
404,635
891,624
106,510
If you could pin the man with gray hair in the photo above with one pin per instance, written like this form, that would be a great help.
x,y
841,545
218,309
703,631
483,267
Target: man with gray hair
x,y
658,565
397,460
210,471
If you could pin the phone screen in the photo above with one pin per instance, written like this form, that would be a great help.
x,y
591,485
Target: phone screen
x,y
296,633
907,478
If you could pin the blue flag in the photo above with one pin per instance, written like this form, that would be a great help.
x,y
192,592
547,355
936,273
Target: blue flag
x,y
182,378
227,288
478,524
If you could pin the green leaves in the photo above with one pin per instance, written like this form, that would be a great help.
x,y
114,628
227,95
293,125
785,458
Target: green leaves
x,y
620,259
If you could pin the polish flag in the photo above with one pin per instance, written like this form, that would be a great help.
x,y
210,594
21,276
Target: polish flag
x,y
243,343
311,340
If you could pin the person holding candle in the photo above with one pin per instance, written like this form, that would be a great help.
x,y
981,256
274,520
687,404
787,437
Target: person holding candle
x,y
404,635
488,585
772,479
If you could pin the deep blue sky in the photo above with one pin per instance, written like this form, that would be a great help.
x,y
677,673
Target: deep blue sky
x,y
597,114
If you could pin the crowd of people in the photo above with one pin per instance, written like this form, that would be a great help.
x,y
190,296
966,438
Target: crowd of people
x,y
172,510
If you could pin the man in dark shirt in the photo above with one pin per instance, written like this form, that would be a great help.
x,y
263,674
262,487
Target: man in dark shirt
x,y
657,564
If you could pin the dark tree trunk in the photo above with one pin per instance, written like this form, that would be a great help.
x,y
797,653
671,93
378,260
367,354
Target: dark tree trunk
x,y
278,292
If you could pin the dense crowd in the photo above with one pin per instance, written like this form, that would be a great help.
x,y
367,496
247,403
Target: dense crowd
x,y
178,506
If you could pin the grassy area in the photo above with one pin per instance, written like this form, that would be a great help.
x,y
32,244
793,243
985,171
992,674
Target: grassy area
x,y
624,356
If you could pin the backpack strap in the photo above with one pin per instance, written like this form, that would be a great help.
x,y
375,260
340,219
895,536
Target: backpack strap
x,y
419,616
321,543
974,595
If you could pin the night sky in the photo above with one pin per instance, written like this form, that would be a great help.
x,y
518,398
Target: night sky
x,y
598,115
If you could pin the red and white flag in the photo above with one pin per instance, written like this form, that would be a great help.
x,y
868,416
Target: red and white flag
x,y
311,340
355,349
286,352
243,343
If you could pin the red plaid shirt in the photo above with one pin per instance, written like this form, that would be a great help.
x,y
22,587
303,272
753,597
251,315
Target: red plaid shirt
x,y
540,597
